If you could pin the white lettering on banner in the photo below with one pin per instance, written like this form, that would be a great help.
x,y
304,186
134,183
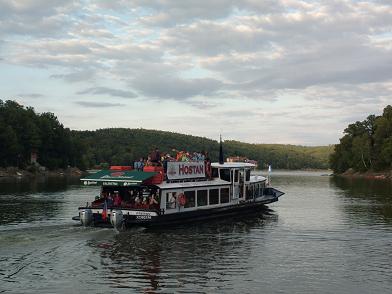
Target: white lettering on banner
x,y
185,170
110,183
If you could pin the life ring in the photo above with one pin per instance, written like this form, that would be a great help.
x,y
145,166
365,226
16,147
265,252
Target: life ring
x,y
181,199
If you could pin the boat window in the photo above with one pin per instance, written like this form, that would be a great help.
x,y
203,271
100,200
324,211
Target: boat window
x,y
225,174
190,199
171,200
214,196
236,176
215,173
247,175
225,195
201,197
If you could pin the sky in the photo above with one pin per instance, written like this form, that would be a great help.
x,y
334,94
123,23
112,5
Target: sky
x,y
273,71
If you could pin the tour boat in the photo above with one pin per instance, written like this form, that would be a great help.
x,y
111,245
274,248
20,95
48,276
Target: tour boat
x,y
183,192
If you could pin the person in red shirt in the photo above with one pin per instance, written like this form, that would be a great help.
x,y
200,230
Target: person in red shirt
x,y
117,199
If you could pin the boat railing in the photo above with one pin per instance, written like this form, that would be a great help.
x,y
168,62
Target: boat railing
x,y
89,206
188,180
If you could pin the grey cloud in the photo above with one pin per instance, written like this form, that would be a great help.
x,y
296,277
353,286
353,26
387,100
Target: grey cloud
x,y
241,113
175,88
36,8
38,17
172,13
208,38
203,105
98,104
77,76
108,91
266,32
167,13
326,66
265,50
31,95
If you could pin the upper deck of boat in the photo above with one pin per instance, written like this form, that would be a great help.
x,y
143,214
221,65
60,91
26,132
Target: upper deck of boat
x,y
233,165
193,184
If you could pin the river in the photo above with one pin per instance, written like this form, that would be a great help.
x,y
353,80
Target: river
x,y
326,235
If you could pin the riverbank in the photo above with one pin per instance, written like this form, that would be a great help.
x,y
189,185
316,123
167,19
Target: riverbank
x,y
14,172
382,175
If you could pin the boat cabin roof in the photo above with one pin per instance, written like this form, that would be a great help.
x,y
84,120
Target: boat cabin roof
x,y
233,165
193,184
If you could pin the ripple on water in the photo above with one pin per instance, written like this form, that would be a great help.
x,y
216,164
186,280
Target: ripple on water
x,y
322,237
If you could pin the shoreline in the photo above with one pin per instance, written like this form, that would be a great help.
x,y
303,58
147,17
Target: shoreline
x,y
14,172
381,175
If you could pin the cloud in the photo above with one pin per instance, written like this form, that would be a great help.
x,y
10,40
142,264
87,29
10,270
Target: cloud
x,y
98,104
77,76
203,105
319,57
177,12
39,18
175,88
31,95
108,91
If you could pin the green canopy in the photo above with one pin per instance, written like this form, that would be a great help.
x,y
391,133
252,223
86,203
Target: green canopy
x,y
117,178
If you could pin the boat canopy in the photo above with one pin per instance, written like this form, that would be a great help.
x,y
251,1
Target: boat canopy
x,y
118,178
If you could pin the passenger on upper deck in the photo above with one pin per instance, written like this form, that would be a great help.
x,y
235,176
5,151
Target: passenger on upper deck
x,y
138,165
207,163
155,157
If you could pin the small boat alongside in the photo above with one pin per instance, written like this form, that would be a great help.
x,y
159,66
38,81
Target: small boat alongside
x,y
183,192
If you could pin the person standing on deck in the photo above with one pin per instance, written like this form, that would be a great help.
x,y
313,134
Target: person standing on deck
x,y
155,157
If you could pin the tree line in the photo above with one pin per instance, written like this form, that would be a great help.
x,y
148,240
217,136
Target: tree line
x,y
121,146
366,145
22,131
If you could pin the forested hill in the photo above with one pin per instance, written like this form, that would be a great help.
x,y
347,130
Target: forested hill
x,y
119,146
23,132
366,145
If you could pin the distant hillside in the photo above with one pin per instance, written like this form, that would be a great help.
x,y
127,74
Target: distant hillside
x,y
25,134
122,146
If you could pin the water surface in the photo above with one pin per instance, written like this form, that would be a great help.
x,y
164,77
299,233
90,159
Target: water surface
x,y
325,235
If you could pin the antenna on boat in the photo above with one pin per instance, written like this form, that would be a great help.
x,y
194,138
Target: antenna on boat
x,y
221,160
269,174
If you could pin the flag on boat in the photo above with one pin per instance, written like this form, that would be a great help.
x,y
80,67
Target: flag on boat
x,y
104,211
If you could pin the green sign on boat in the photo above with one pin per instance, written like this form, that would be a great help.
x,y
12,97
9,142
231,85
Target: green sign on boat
x,y
117,178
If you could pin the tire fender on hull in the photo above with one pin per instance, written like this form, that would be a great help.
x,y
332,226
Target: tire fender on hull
x,y
116,218
86,216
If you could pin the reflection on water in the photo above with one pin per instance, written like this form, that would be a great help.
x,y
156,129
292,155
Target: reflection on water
x,y
188,257
24,200
326,235
370,200
37,185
